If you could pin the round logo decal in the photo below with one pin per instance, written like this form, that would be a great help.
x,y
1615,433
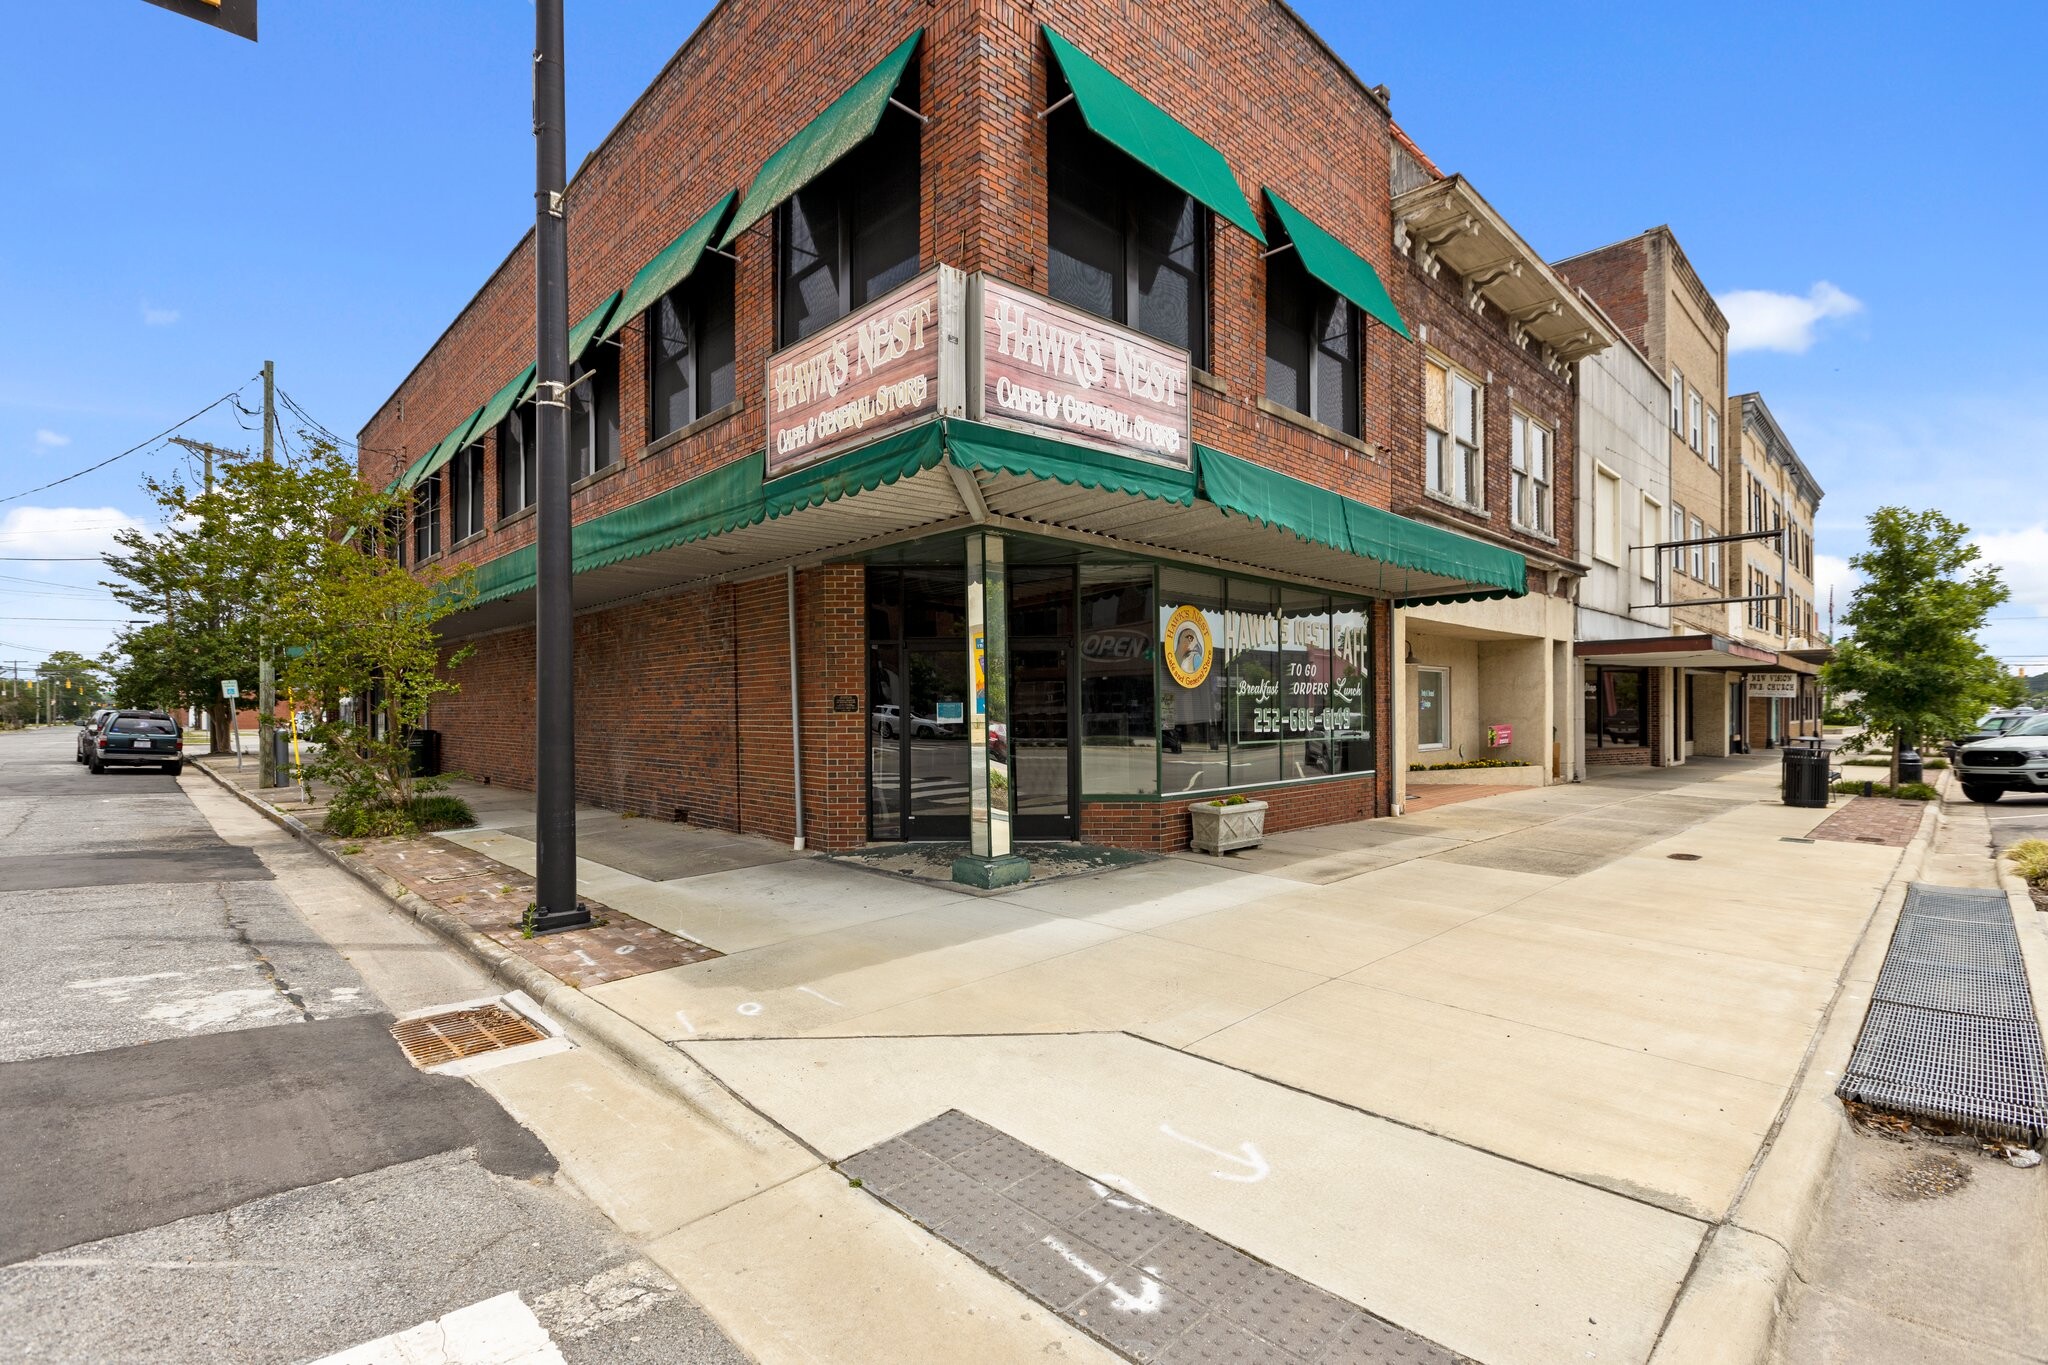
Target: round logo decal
x,y
1189,651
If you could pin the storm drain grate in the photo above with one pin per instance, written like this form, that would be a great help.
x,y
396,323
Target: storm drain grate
x,y
436,1038
1952,1033
1140,1281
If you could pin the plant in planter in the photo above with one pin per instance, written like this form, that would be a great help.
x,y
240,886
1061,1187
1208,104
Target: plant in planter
x,y
1227,823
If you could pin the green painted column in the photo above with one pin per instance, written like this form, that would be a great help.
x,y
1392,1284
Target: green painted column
x,y
990,861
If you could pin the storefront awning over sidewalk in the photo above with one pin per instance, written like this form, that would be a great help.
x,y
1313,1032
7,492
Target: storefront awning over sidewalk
x,y
1677,651
944,476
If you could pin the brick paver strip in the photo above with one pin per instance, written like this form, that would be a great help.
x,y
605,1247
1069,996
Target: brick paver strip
x,y
1144,1283
490,898
1873,820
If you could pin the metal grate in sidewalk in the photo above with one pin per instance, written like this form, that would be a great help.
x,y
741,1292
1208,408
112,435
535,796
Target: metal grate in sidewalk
x,y
1952,1032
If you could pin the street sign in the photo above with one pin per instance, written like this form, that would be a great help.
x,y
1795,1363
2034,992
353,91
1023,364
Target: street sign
x,y
230,689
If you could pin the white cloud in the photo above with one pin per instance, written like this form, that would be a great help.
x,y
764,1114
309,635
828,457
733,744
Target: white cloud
x,y
61,532
1832,574
157,317
2022,560
1762,320
46,437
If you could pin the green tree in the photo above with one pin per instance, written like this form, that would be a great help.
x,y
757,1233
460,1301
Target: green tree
x,y
73,685
1910,665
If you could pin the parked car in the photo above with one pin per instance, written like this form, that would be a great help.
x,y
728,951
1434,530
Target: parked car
x,y
2016,761
887,722
134,738
89,730
1990,726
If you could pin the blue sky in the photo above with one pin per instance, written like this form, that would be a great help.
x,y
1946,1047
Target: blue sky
x,y
186,204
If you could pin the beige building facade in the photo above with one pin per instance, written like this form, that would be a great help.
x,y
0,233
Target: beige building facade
x,y
1771,490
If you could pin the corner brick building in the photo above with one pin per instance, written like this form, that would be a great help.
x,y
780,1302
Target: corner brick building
x,y
988,450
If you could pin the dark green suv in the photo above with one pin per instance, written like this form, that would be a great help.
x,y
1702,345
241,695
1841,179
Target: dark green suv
x,y
134,738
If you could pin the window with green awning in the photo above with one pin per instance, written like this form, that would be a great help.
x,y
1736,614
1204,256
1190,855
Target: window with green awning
x,y
846,123
670,267
1151,136
465,431
1336,264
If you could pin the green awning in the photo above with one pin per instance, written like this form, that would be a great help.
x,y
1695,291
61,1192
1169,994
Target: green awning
x,y
1336,264
1151,136
1330,519
974,445
580,337
670,267
500,403
465,432
846,123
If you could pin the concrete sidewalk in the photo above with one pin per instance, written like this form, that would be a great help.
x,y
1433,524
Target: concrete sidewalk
x,y
1498,1072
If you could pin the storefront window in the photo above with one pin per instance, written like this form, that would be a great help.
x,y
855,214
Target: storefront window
x,y
1193,740
1432,708
1251,660
1347,729
1119,722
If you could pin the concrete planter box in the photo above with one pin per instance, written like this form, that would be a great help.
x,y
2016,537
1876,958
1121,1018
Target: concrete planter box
x,y
1531,776
1219,828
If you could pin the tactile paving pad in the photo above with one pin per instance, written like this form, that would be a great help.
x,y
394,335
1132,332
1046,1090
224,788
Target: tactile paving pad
x,y
1952,1032
1149,1286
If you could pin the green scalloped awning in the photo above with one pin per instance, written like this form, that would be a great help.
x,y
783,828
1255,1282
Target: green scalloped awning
x,y
1336,264
671,265
1151,136
1330,519
735,496
846,123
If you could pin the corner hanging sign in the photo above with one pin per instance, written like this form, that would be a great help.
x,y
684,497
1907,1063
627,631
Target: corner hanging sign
x,y
1051,370
883,367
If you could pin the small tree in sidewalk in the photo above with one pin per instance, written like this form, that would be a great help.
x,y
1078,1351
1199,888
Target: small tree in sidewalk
x,y
1910,665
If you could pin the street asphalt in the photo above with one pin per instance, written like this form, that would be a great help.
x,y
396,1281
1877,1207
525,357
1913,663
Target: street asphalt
x,y
215,1151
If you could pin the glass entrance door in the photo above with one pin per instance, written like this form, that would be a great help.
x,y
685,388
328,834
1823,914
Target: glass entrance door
x,y
935,743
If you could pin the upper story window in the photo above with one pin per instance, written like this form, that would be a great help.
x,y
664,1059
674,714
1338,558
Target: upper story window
x,y
466,491
1697,551
1125,244
1713,438
1677,401
1454,409
1530,461
1713,561
594,412
1677,534
1692,426
1312,346
1652,518
851,234
518,457
426,517
690,348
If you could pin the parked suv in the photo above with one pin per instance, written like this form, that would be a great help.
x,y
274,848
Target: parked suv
x,y
2016,761
1991,726
89,730
133,738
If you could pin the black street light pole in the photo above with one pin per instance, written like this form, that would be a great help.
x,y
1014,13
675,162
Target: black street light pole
x,y
555,904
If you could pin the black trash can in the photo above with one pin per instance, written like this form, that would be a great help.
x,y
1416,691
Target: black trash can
x,y
1911,767
426,752
1805,780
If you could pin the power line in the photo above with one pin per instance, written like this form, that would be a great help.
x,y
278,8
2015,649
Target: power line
x,y
11,497
51,559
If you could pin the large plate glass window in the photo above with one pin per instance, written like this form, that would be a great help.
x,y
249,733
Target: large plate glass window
x,y
851,234
1120,730
1251,660
1193,739
1312,352
690,348
1123,243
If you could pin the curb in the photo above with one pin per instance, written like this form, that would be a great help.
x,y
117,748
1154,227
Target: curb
x,y
588,1022
1728,1310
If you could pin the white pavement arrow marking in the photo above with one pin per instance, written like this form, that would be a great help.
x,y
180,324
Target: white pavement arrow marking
x,y
1254,1164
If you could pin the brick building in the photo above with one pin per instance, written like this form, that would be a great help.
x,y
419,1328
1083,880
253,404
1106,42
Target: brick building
x,y
1771,489
977,445
1502,336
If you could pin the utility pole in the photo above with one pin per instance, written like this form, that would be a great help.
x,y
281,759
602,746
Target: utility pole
x,y
216,743
555,905
266,677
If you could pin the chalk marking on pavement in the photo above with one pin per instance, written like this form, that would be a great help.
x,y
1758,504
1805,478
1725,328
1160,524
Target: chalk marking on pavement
x,y
684,1020
499,1331
1101,1188
821,995
1148,1299
1251,1160
751,1008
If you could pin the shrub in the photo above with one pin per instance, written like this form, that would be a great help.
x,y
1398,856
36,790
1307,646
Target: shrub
x,y
1885,761
2029,858
391,820
1907,791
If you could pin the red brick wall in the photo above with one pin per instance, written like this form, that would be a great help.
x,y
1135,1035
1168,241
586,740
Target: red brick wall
x,y
1163,826
683,706
1618,278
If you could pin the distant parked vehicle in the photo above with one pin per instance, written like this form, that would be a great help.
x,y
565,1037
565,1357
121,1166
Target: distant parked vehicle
x,y
89,730
1989,726
2016,761
135,738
